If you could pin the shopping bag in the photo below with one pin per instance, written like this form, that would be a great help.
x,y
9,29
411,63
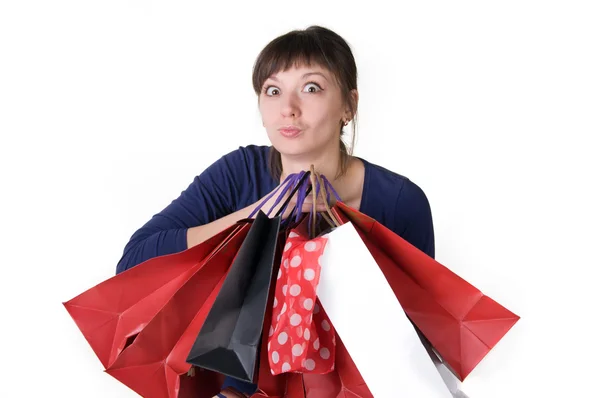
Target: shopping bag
x,y
371,322
229,340
154,365
461,323
452,382
345,381
112,312
301,338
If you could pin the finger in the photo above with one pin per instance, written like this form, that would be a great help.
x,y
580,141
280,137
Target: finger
x,y
307,208
310,199
229,393
235,393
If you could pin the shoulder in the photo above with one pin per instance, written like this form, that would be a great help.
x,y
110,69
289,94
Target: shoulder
x,y
393,188
240,164
401,205
245,156
383,175
244,174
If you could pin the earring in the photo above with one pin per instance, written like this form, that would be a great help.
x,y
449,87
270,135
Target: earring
x,y
345,122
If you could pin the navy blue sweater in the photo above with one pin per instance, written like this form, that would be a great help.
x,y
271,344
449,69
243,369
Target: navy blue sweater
x,y
241,178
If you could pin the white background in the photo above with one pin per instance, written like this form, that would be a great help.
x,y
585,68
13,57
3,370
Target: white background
x,y
107,109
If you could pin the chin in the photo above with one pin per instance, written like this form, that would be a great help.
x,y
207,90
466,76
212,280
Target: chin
x,y
294,149
305,145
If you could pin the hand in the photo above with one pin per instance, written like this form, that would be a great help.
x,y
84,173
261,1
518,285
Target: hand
x,y
307,206
230,392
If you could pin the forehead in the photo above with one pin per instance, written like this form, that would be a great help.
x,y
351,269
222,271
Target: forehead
x,y
299,71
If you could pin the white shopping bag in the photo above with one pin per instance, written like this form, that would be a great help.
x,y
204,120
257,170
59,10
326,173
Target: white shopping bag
x,y
369,320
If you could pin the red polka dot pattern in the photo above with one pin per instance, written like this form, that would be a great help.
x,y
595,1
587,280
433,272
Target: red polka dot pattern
x,y
301,338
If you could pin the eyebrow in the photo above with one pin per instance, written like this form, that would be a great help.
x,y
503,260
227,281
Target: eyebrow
x,y
303,76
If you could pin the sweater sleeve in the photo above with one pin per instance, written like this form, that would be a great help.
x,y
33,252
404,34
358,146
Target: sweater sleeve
x,y
413,216
210,196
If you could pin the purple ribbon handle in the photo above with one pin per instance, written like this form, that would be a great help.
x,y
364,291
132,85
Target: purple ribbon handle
x,y
330,189
291,182
294,181
287,183
302,192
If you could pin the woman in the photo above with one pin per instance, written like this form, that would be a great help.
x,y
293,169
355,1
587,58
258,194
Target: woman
x,y
306,83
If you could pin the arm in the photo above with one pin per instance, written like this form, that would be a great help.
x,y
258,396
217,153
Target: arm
x,y
199,234
414,219
203,209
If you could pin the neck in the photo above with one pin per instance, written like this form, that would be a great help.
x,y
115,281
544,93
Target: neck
x,y
326,162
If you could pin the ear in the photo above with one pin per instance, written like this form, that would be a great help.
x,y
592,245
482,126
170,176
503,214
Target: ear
x,y
351,111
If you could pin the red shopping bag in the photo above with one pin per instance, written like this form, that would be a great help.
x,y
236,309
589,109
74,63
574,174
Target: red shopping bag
x,y
344,381
110,313
154,365
301,338
460,322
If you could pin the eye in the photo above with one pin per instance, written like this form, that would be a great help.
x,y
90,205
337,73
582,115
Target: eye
x,y
271,90
312,87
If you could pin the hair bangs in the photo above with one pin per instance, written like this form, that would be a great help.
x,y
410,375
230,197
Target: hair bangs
x,y
292,50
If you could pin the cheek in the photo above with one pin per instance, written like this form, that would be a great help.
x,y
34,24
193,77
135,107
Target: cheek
x,y
322,113
268,113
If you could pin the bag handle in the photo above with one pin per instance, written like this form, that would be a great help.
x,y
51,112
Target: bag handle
x,y
300,179
318,186
287,183
304,183
313,214
334,217
293,180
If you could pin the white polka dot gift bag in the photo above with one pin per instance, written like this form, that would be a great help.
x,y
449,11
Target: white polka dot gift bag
x,y
301,338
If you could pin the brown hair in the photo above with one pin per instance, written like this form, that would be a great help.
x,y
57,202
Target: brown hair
x,y
314,45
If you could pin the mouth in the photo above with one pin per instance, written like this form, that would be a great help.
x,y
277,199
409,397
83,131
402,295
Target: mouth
x,y
290,131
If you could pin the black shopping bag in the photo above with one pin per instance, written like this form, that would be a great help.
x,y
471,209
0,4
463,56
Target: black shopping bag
x,y
229,341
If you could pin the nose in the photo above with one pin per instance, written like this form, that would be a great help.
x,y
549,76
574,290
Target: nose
x,y
290,105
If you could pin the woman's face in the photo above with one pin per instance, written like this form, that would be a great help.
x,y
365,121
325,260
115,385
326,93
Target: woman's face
x,y
302,110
